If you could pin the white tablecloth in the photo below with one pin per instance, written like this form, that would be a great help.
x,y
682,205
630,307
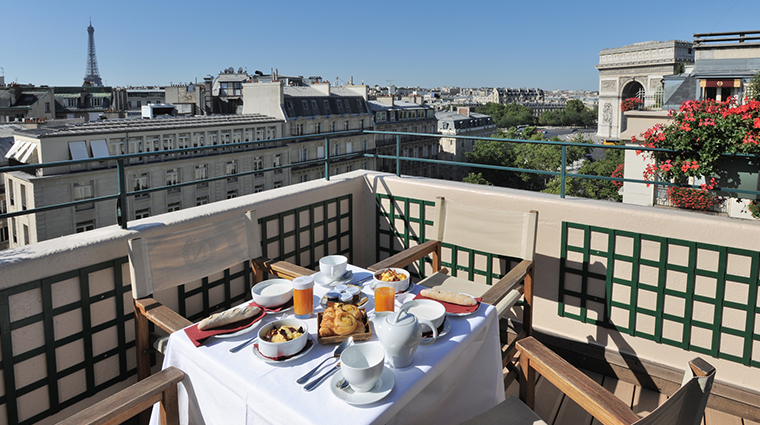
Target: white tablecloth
x,y
453,379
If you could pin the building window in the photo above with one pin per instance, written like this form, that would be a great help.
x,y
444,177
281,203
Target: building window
x,y
11,198
304,154
326,105
333,126
336,149
304,178
4,234
85,226
276,162
349,168
84,191
347,125
231,171
201,200
277,184
23,197
258,188
365,145
96,101
13,232
47,107
71,103
258,164
317,128
172,178
201,173
425,151
349,147
141,183
142,213
232,194
320,151
173,206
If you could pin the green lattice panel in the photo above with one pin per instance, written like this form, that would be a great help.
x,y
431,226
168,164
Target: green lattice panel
x,y
695,296
402,222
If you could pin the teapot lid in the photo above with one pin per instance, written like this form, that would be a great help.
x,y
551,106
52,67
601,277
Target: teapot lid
x,y
401,318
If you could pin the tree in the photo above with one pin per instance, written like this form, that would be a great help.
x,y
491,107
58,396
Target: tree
x,y
506,116
754,87
575,113
520,155
592,188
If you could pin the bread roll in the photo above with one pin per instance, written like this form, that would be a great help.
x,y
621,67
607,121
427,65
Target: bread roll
x,y
449,297
228,317
345,323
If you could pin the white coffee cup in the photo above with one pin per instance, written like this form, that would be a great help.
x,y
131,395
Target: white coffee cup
x,y
362,365
426,309
333,266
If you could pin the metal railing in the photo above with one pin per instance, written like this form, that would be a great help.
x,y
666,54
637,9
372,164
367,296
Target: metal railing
x,y
122,162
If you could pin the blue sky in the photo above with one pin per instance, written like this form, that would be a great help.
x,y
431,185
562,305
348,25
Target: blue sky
x,y
549,44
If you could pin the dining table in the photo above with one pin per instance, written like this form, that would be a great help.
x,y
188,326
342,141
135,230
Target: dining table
x,y
452,379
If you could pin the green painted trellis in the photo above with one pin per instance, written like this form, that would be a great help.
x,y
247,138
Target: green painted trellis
x,y
390,209
692,326
50,312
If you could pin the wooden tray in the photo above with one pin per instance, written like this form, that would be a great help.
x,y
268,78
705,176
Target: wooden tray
x,y
363,332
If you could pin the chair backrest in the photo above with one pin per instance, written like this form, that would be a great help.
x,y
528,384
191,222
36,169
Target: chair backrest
x,y
687,405
170,260
508,233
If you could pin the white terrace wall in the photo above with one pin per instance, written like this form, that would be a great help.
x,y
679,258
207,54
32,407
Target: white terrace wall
x,y
690,226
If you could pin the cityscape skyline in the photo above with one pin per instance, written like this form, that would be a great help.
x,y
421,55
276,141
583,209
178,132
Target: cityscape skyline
x,y
551,45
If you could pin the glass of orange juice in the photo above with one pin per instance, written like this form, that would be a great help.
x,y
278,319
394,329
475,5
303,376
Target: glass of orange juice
x,y
385,297
303,296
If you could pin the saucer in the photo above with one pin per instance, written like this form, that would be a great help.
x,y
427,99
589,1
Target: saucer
x,y
382,388
309,345
446,328
326,282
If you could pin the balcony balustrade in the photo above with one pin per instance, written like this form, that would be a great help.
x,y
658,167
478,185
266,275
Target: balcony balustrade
x,y
658,286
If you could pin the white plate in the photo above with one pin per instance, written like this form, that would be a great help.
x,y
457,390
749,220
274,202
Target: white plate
x,y
243,331
444,331
304,352
382,388
324,281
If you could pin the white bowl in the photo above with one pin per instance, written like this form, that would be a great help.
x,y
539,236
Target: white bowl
x,y
333,266
400,285
287,348
272,292
362,365
427,309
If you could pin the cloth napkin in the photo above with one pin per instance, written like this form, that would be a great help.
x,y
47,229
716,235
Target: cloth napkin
x,y
198,337
285,306
453,308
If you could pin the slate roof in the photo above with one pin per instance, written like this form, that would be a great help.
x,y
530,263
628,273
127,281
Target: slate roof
x,y
309,102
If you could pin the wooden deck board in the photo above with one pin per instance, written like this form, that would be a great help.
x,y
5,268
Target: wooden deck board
x,y
571,412
623,390
715,417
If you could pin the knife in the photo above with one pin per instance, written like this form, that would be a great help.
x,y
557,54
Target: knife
x,y
313,384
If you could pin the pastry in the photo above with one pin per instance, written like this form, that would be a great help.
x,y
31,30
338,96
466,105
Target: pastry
x,y
228,317
345,323
449,297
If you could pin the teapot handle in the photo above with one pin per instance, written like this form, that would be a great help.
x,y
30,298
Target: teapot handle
x,y
431,326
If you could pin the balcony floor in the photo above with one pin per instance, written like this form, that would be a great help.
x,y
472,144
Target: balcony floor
x,y
557,409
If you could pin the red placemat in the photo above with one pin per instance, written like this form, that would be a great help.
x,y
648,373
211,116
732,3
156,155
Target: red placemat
x,y
198,337
453,308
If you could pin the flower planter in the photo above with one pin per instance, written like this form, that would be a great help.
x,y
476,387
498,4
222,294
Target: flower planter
x,y
738,173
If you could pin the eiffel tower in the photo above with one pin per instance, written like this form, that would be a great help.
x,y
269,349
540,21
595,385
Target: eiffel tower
x,y
92,76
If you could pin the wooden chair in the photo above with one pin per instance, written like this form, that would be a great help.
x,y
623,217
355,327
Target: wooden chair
x,y
685,407
167,261
161,387
508,233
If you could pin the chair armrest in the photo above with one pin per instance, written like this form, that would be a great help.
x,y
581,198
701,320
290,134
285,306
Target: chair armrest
x,y
162,316
281,269
133,400
407,256
591,396
507,283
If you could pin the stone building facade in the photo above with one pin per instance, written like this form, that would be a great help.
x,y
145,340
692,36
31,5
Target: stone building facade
x,y
636,70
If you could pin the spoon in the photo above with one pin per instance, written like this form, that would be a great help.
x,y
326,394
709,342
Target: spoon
x,y
341,277
339,349
313,384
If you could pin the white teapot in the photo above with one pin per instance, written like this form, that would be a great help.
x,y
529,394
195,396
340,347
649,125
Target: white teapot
x,y
400,334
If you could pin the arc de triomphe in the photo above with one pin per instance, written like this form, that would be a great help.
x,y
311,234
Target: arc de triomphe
x,y
635,71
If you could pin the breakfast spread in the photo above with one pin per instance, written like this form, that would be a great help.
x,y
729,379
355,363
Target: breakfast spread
x,y
341,319
228,317
390,275
449,297
282,334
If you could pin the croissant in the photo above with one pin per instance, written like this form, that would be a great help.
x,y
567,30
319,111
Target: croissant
x,y
345,323
353,310
326,329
